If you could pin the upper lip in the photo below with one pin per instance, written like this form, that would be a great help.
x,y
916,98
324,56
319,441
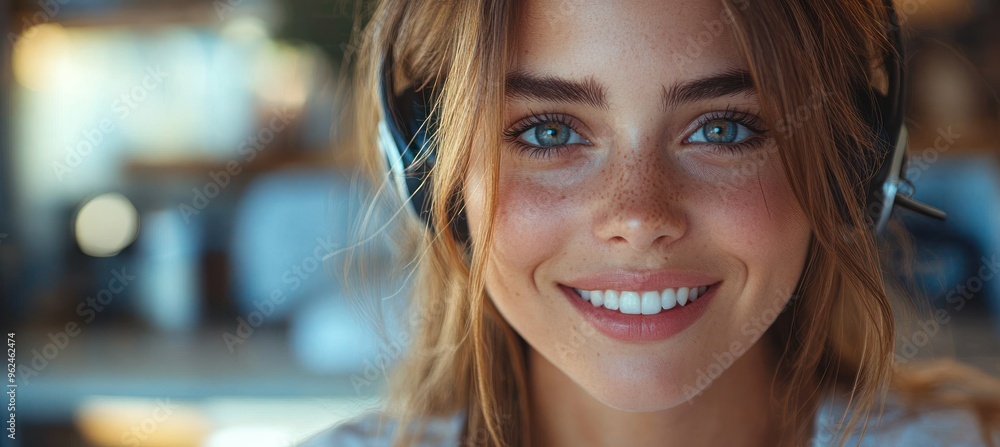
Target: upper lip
x,y
642,280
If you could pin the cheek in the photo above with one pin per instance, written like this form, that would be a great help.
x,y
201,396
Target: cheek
x,y
751,209
760,226
533,223
530,232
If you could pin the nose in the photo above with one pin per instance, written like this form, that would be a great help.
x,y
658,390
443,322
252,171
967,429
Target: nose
x,y
642,204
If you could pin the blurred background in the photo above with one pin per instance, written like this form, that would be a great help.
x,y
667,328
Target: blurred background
x,y
173,198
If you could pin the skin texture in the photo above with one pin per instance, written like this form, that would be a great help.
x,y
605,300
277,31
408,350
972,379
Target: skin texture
x,y
640,195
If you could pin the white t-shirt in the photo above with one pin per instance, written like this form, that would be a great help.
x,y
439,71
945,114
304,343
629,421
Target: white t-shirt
x,y
938,428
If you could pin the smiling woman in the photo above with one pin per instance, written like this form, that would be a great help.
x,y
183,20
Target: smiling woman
x,y
637,239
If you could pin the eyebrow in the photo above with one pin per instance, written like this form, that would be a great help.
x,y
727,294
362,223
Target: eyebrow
x,y
525,85
727,83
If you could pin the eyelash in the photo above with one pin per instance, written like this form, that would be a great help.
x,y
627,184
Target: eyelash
x,y
752,122
513,134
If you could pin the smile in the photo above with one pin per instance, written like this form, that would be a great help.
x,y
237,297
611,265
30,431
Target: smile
x,y
647,316
644,303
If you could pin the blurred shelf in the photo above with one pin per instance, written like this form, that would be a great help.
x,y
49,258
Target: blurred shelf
x,y
104,362
198,167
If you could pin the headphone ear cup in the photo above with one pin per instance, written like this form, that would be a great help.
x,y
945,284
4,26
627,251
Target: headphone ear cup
x,y
411,126
866,165
880,160
418,156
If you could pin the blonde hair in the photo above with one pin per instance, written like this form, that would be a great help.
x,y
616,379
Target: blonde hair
x,y
838,336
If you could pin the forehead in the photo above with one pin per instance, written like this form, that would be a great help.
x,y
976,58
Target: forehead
x,y
622,39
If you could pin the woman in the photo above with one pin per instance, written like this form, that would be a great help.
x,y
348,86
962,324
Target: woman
x,y
659,248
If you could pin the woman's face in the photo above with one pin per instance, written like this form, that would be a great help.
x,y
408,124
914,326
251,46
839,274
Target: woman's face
x,y
636,163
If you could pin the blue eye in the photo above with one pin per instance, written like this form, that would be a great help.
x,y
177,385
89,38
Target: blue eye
x,y
551,134
730,132
721,131
545,135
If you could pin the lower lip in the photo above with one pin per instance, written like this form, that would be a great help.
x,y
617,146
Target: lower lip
x,y
641,328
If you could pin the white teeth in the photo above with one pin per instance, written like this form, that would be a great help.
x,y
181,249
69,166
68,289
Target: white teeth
x,y
629,303
669,299
611,300
645,303
650,303
596,298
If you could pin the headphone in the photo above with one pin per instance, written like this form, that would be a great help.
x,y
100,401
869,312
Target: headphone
x,y
404,134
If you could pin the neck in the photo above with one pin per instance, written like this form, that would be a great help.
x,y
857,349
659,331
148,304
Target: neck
x,y
735,410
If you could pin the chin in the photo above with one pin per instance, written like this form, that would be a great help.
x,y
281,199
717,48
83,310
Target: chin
x,y
646,389
640,398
